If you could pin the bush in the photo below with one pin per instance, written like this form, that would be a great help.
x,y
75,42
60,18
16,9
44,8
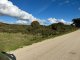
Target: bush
x,y
76,22
35,24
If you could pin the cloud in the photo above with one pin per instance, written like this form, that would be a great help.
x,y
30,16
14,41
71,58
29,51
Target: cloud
x,y
54,20
65,22
23,17
62,20
22,22
68,23
7,8
42,21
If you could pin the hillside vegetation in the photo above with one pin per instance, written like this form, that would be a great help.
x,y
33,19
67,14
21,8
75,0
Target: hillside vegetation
x,y
13,36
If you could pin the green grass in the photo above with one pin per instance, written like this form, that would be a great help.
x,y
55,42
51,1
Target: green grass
x,y
13,36
12,41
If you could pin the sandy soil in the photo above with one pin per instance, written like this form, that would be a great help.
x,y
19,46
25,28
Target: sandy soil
x,y
66,47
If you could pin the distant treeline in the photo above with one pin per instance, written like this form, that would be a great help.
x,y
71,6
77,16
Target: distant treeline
x,y
36,29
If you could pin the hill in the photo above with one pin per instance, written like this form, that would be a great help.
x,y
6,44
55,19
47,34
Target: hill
x,y
4,27
13,36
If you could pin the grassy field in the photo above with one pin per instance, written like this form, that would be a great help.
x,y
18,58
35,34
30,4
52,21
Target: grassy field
x,y
12,41
16,36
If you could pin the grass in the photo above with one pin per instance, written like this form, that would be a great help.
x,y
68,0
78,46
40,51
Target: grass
x,y
12,41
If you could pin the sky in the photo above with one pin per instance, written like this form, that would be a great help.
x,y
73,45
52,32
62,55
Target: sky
x,y
44,11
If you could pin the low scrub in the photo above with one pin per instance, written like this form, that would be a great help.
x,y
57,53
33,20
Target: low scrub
x,y
17,36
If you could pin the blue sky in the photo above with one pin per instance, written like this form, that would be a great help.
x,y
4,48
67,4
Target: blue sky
x,y
45,9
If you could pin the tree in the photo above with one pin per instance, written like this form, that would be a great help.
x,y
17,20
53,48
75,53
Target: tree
x,y
57,26
76,22
35,24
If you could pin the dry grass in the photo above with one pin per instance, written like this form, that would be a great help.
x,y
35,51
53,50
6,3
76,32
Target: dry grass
x,y
12,41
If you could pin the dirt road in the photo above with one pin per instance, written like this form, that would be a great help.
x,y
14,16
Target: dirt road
x,y
66,47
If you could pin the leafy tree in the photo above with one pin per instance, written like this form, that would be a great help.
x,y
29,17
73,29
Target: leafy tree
x,y
35,24
57,26
76,22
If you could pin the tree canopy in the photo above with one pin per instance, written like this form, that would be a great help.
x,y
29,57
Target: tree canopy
x,y
35,24
76,22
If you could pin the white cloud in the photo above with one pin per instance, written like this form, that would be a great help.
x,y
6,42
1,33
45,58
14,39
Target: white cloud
x,y
65,22
21,22
7,8
54,20
42,22
23,17
62,20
